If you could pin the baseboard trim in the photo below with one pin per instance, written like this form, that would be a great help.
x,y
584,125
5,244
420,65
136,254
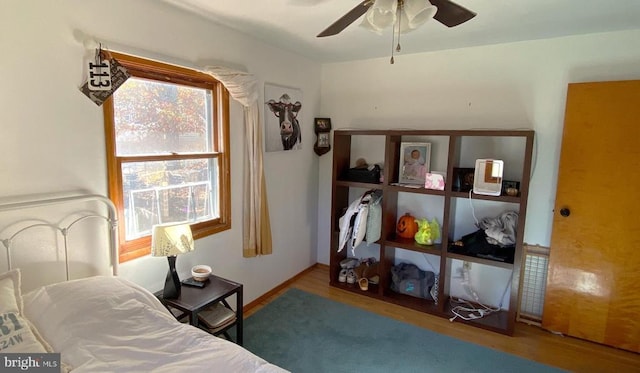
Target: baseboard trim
x,y
279,288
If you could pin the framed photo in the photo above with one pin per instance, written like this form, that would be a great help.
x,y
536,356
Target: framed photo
x,y
322,125
323,140
414,162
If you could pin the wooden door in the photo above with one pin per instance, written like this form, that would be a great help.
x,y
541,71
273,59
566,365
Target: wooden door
x,y
593,285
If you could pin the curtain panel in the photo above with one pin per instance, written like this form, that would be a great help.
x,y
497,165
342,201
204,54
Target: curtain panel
x,y
243,87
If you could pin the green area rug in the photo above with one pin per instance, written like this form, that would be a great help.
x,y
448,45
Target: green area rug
x,y
305,333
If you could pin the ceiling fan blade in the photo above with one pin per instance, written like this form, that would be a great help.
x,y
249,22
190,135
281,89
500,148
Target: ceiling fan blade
x,y
346,19
451,14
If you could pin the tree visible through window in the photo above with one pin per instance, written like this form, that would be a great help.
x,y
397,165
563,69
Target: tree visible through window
x,y
167,149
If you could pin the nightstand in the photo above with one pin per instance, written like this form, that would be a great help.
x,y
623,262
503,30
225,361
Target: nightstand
x,y
193,300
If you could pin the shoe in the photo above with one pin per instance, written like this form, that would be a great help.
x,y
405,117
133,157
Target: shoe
x,y
349,263
342,276
351,276
364,284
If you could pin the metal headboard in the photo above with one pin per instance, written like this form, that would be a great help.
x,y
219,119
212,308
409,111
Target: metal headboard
x,y
111,218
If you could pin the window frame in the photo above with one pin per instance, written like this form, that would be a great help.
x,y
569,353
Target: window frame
x,y
148,69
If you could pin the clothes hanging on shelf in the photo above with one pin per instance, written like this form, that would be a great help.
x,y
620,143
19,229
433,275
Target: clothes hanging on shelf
x,y
374,219
353,224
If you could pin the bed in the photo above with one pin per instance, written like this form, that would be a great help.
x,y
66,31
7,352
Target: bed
x,y
96,322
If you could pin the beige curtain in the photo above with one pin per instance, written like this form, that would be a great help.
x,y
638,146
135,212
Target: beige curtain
x,y
243,87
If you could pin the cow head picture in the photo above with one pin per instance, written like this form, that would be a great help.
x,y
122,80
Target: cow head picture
x,y
287,114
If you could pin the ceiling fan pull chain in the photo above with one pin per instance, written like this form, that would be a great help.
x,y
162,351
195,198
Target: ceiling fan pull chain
x,y
393,30
391,61
399,16
393,41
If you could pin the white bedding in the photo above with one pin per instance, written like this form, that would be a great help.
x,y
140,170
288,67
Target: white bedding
x,y
108,324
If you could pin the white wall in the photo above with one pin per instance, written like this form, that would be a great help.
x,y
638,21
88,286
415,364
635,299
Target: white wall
x,y
52,136
506,86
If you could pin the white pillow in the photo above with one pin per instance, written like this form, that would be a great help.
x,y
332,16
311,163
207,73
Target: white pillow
x,y
17,335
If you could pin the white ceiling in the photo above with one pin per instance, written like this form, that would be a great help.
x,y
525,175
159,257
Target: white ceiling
x,y
294,24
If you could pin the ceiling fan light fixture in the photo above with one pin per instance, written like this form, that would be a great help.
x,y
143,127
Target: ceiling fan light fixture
x,y
380,15
417,12
401,16
409,14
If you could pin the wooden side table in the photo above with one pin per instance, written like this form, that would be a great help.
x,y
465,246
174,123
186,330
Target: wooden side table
x,y
192,300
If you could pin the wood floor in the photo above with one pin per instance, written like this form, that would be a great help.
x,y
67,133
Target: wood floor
x,y
528,341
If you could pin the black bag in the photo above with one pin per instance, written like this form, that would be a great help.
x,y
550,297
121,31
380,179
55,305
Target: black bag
x,y
364,174
407,278
475,244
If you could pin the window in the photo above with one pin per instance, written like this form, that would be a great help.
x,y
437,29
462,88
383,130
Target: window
x,y
167,140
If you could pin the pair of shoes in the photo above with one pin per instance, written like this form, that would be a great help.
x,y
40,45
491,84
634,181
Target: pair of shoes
x,y
367,272
362,274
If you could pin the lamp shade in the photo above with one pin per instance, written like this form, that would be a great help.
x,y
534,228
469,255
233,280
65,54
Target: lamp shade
x,y
385,13
380,15
417,12
171,239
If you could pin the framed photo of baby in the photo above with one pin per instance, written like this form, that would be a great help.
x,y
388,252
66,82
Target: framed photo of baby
x,y
414,162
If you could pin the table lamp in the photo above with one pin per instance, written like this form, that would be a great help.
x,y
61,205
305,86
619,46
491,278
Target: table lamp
x,y
170,240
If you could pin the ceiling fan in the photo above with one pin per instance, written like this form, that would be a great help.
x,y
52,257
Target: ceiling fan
x,y
448,13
